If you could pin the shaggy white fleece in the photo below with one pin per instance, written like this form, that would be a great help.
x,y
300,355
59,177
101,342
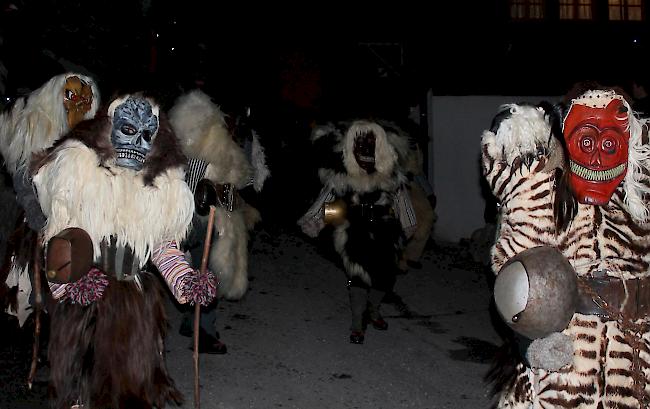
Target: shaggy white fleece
x,y
229,253
36,121
522,133
75,192
201,128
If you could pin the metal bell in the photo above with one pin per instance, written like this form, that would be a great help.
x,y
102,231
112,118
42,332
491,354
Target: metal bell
x,y
335,212
536,292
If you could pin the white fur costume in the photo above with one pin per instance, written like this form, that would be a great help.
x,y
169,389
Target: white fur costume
x,y
201,128
107,345
37,120
105,194
33,124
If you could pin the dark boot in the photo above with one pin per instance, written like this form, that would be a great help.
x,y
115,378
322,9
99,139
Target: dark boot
x,y
211,344
208,343
358,302
187,326
374,302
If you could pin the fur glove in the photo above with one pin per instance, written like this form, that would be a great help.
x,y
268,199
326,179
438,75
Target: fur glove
x,y
88,288
550,353
186,284
199,288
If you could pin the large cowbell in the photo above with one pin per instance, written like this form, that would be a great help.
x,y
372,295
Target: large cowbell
x,y
135,125
536,292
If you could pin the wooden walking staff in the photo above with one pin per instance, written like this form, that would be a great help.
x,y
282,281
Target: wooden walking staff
x,y
38,307
197,308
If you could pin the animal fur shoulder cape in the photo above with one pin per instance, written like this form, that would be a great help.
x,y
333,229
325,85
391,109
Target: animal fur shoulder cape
x,y
77,189
201,128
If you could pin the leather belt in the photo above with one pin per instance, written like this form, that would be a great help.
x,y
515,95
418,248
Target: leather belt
x,y
369,212
606,296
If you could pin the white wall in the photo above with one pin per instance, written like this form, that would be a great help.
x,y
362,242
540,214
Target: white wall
x,y
455,127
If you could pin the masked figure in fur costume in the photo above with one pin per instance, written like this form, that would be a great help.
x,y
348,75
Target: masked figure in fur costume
x,y
573,181
364,197
117,183
32,124
218,168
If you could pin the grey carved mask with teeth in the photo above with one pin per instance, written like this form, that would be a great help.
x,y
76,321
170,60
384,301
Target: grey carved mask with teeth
x,y
135,126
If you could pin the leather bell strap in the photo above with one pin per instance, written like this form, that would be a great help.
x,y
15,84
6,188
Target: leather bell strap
x,y
604,296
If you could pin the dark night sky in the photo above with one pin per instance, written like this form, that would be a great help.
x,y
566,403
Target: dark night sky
x,y
296,65
314,55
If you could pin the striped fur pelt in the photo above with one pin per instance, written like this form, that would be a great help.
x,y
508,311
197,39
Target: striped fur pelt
x,y
35,121
523,163
108,362
369,250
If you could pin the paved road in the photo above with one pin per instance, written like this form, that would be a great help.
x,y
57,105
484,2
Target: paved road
x,y
288,339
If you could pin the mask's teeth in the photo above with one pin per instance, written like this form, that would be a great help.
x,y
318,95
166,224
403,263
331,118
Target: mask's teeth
x,y
596,175
130,154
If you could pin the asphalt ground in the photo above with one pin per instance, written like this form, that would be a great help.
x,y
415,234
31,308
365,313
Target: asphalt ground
x,y
288,338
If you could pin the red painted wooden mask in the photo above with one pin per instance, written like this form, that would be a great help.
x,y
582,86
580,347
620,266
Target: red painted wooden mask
x,y
597,136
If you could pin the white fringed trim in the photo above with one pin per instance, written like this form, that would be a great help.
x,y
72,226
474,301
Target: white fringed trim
x,y
362,183
389,146
522,132
229,253
258,157
75,192
36,121
201,128
639,157
322,130
353,269
597,98
489,141
385,153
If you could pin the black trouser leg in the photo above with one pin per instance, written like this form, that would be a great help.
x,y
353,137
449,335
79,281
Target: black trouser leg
x,y
358,302
374,299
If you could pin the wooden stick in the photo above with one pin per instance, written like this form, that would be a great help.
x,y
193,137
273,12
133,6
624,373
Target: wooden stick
x,y
197,393
197,308
38,306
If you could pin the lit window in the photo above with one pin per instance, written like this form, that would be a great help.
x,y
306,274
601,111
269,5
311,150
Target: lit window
x,y
526,9
575,9
626,10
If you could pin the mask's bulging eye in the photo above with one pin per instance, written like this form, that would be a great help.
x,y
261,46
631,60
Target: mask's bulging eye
x,y
609,146
587,144
127,130
70,95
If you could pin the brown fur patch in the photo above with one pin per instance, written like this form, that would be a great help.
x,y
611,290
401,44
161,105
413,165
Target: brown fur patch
x,y
96,134
166,152
111,353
